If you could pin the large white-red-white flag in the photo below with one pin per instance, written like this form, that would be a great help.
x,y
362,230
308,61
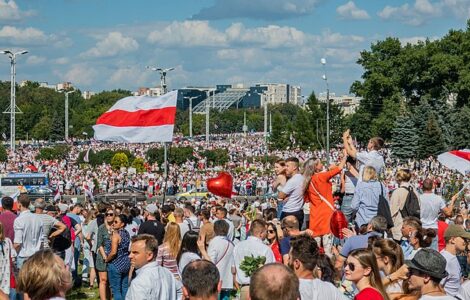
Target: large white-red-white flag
x,y
457,159
139,119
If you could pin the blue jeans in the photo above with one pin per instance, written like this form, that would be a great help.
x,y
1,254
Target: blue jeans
x,y
346,207
118,282
13,295
224,294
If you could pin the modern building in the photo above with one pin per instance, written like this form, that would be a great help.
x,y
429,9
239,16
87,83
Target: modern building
x,y
239,96
152,92
349,104
277,93
87,95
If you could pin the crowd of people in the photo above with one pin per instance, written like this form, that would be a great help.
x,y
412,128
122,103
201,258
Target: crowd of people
x,y
365,227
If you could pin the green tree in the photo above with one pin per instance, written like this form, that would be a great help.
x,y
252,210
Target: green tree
x,y
57,128
461,134
138,164
279,136
404,137
119,160
432,140
3,153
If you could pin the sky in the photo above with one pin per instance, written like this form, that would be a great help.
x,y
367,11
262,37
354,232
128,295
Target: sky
x,y
107,44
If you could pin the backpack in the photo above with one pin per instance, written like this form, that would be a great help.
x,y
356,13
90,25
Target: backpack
x,y
63,241
412,206
383,208
191,225
68,223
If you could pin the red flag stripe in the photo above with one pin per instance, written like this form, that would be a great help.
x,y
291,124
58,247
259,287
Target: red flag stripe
x,y
151,117
461,154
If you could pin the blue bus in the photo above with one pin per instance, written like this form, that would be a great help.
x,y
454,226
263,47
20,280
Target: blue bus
x,y
26,180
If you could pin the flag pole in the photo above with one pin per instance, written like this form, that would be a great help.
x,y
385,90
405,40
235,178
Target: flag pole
x,y
165,170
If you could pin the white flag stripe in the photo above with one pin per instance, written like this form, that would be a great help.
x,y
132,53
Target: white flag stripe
x,y
452,161
134,134
135,103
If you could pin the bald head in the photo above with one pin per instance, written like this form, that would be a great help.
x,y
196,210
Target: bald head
x,y
274,281
290,223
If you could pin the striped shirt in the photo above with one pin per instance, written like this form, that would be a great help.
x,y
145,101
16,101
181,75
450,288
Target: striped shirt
x,y
165,259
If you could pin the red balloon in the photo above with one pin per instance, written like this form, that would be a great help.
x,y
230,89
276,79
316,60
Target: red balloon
x,y
221,185
337,223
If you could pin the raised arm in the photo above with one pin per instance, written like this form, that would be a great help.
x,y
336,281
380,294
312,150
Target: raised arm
x,y
348,144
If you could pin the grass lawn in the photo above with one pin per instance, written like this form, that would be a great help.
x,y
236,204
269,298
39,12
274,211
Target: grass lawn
x,y
83,293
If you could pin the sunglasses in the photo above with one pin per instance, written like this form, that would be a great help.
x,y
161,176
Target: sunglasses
x,y
351,266
270,231
116,222
109,214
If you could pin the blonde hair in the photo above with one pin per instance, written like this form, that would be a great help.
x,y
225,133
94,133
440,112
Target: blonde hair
x,y
367,259
308,171
369,174
42,276
173,238
403,175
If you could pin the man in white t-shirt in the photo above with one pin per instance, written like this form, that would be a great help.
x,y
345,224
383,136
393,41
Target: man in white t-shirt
x,y
303,261
455,237
371,157
292,192
431,206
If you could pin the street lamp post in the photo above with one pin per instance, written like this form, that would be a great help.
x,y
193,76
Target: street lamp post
x,y
67,113
12,111
191,114
163,73
207,114
323,62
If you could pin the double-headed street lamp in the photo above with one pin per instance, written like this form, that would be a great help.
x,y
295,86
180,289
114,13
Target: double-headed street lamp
x,y
323,62
163,73
12,109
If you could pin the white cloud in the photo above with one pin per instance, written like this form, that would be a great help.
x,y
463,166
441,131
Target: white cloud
x,y
113,44
351,11
460,8
257,9
81,74
200,34
187,34
424,10
125,74
9,11
35,60
61,61
414,40
25,36
271,36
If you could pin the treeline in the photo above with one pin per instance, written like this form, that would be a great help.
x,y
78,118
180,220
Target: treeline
x,y
416,96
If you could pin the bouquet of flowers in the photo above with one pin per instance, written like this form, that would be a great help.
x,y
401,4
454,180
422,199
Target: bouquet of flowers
x,y
250,264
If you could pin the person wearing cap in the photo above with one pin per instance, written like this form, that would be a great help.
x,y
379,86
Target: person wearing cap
x,y
151,225
426,270
456,240
48,222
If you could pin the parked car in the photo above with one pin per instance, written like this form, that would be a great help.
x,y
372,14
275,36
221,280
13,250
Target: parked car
x,y
41,192
123,194
193,194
